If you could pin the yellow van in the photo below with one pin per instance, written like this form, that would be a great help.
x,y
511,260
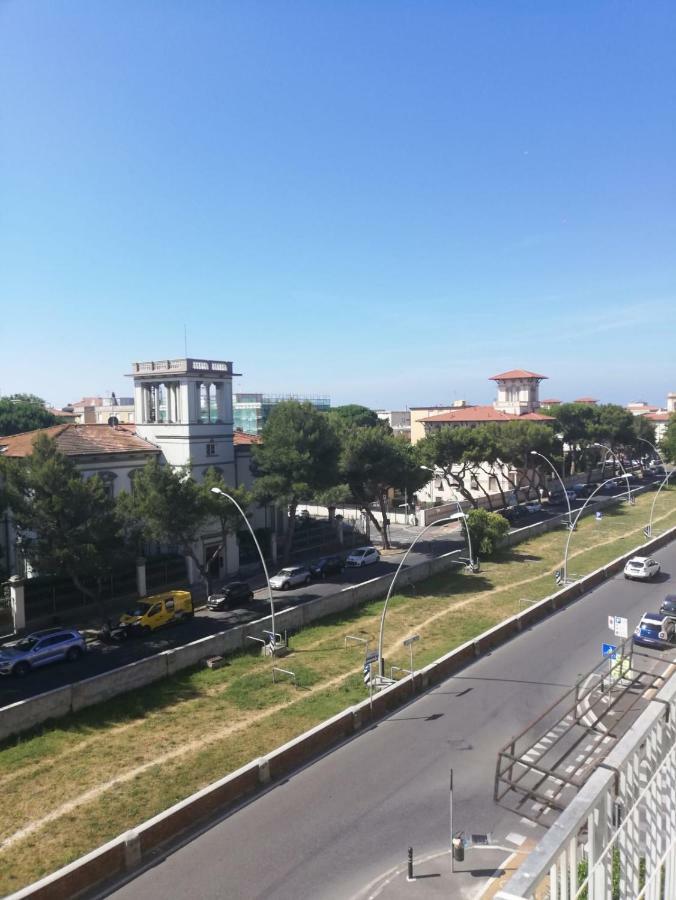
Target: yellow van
x,y
153,612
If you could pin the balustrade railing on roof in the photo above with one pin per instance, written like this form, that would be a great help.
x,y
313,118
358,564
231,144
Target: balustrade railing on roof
x,y
182,365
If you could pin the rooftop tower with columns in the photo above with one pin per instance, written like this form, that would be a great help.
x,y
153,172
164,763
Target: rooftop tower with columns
x,y
184,407
518,391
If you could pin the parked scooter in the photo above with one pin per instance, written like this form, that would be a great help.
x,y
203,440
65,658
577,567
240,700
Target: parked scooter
x,y
114,634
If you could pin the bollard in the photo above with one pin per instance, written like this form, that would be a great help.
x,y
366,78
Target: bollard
x,y
409,877
458,847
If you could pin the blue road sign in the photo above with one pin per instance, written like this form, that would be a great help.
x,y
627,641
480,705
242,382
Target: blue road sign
x,y
608,649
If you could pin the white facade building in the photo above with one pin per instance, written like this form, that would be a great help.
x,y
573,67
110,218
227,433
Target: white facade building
x,y
398,420
184,407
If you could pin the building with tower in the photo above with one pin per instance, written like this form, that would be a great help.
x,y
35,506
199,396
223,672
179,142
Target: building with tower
x,y
184,407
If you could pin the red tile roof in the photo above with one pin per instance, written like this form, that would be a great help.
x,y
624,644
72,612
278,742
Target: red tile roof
x,y
484,414
658,416
241,438
78,440
536,417
550,402
586,400
516,373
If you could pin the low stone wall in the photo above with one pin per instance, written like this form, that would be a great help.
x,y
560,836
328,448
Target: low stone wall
x,y
130,850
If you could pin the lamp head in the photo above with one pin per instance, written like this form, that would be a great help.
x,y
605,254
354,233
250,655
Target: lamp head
x,y
215,490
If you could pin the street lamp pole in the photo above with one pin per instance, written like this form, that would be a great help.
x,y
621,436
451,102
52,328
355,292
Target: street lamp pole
x,y
650,444
216,490
563,487
574,525
460,510
624,471
657,493
381,663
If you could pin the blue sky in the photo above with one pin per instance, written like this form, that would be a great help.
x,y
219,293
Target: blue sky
x,y
384,201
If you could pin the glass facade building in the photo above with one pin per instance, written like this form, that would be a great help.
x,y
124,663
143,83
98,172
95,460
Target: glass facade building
x,y
251,411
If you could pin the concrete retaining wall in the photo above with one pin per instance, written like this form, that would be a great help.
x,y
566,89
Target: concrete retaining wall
x,y
130,850
26,714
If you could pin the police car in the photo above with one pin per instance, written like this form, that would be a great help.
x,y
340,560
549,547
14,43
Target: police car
x,y
655,630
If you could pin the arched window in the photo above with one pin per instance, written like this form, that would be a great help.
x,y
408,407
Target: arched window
x,y
108,481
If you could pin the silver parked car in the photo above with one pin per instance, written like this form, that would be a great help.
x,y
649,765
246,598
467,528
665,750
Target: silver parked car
x,y
40,649
362,556
290,577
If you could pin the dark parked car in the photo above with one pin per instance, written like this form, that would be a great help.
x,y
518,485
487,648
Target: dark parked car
x,y
514,514
557,497
584,490
230,594
327,565
668,607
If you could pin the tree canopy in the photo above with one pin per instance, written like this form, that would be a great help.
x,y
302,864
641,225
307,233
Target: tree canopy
x,y
65,524
24,412
297,458
372,462
353,415
668,442
486,530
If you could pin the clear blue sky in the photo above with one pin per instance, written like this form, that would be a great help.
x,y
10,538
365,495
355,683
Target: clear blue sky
x,y
384,201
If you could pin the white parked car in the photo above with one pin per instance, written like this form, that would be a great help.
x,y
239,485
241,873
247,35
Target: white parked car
x,y
642,568
290,577
362,556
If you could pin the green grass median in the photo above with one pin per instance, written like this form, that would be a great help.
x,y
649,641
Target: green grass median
x,y
84,779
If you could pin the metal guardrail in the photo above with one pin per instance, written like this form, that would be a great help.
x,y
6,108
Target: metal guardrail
x,y
617,838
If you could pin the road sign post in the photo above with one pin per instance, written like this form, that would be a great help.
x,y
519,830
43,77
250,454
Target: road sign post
x,y
409,642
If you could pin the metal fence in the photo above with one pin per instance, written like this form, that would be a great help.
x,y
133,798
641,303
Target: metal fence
x,y
52,596
616,840
165,570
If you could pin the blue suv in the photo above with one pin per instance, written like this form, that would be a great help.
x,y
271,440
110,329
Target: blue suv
x,y
40,649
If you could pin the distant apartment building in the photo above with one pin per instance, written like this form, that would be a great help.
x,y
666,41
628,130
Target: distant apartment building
x,y
251,411
108,410
398,420
658,416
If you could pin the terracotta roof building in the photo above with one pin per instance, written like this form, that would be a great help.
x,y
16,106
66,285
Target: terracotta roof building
x,y
517,399
79,440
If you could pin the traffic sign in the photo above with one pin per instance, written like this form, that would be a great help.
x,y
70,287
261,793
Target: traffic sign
x,y
621,627
608,650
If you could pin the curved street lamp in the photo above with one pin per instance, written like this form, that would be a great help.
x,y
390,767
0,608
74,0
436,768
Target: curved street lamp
x,y
563,487
619,462
649,527
650,444
216,490
381,662
574,526
460,510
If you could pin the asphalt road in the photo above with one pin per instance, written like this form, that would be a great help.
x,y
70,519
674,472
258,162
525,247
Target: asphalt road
x,y
335,829
105,658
